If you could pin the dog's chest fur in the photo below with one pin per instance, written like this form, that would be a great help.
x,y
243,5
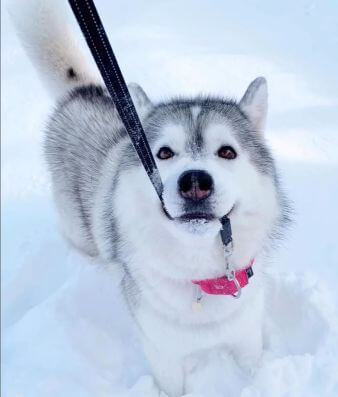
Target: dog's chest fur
x,y
164,311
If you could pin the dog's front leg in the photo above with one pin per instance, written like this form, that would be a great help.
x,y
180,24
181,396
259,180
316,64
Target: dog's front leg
x,y
168,371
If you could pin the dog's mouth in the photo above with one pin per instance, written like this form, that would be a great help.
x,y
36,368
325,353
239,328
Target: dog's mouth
x,y
197,216
202,216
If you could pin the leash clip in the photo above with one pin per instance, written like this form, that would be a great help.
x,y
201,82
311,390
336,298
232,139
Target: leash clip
x,y
230,273
228,247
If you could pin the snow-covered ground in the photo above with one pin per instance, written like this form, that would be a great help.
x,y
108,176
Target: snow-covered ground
x,y
65,330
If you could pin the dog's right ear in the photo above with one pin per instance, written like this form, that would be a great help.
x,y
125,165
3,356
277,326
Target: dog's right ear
x,y
255,103
141,101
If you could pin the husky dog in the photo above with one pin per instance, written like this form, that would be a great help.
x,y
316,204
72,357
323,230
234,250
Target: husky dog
x,y
213,160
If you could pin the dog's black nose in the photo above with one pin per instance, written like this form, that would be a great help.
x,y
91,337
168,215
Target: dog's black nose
x,y
195,185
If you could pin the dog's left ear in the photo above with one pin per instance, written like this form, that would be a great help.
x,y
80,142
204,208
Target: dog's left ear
x,y
255,103
141,101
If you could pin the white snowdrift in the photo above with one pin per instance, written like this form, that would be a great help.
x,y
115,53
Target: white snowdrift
x,y
80,341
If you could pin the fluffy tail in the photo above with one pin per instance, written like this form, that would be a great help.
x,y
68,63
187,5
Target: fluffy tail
x,y
51,45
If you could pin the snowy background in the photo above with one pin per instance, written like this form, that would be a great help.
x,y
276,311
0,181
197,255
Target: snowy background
x,y
65,330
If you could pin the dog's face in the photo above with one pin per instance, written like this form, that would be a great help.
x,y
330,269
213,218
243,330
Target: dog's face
x,y
213,162
211,156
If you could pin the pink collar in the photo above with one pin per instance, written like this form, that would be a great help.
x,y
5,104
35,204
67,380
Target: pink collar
x,y
224,286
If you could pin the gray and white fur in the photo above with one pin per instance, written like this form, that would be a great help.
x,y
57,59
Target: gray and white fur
x,y
215,161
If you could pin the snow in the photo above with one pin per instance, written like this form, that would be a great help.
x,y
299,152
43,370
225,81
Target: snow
x,y
65,329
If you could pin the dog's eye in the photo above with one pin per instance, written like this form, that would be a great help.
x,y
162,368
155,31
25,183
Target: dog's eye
x,y
227,152
165,153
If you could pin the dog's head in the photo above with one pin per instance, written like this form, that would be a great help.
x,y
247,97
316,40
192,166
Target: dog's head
x,y
211,154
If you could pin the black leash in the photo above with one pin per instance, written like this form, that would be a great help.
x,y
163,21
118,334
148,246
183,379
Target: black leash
x,y
98,43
